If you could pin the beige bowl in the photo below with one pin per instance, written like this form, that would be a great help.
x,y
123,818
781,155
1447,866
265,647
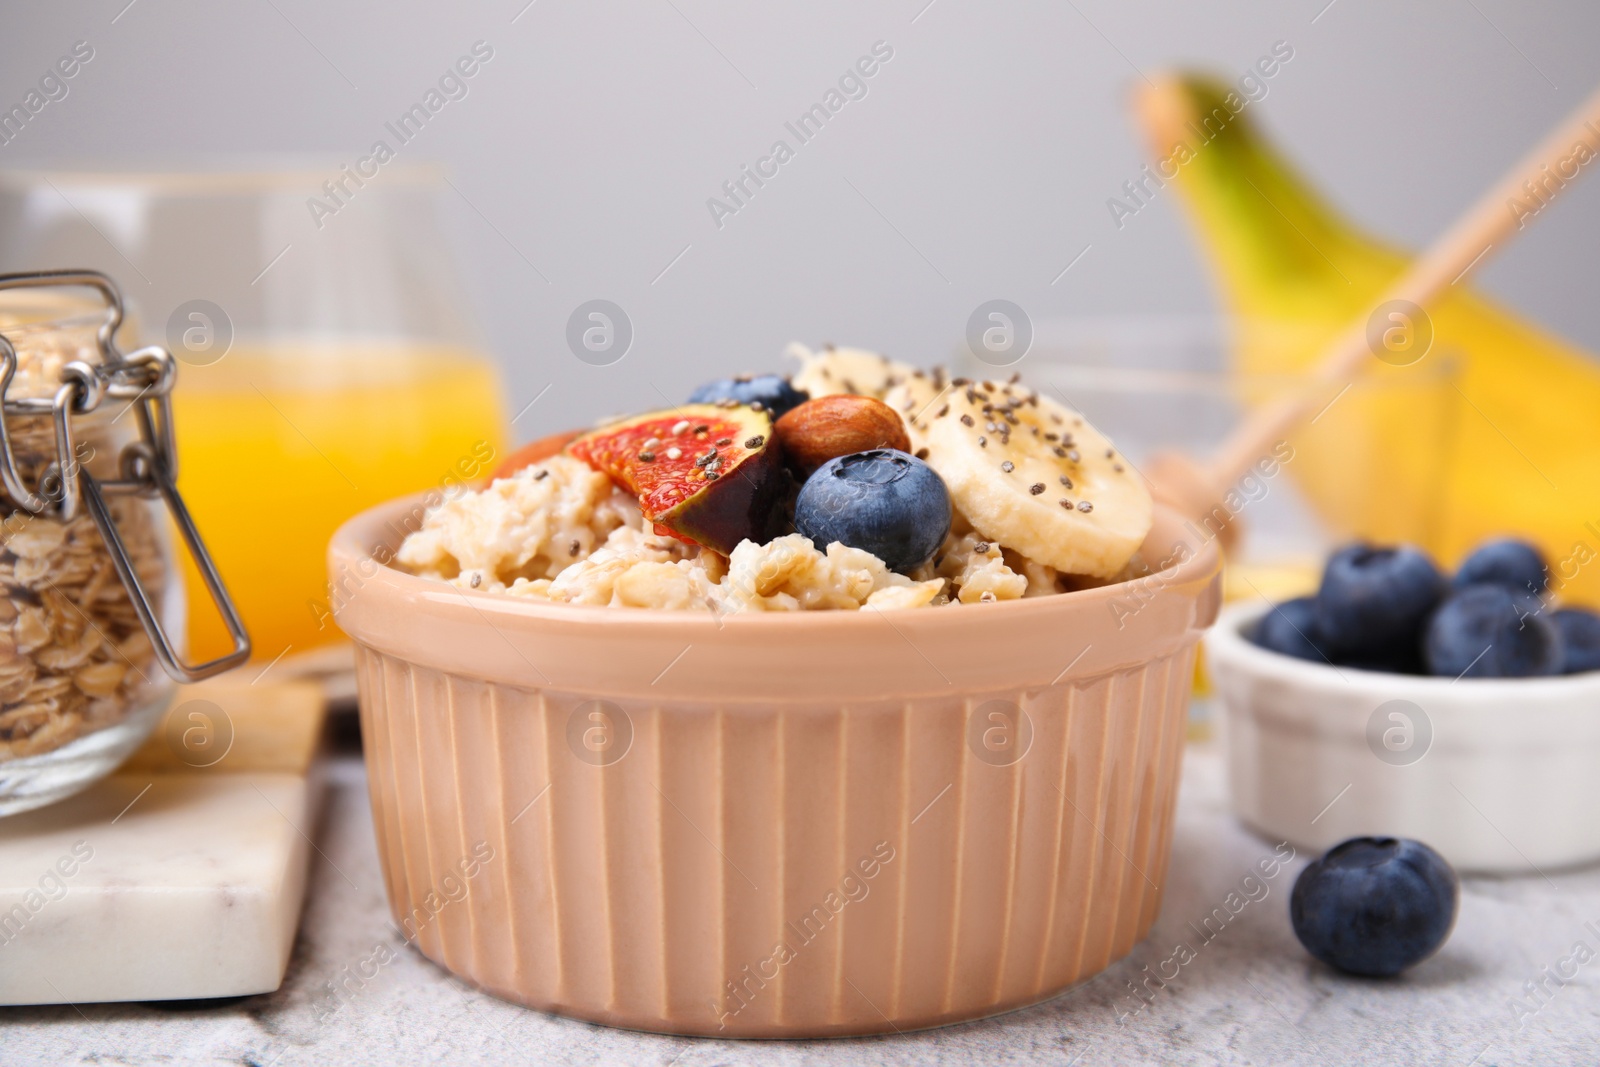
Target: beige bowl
x,y
772,825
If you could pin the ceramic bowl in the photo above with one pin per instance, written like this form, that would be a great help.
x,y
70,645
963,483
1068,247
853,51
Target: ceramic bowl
x,y
773,825
1498,775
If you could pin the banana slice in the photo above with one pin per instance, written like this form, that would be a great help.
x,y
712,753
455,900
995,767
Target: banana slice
x,y
1030,474
849,370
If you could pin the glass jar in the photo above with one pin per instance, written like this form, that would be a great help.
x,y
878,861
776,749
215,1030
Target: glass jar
x,y
329,356
90,591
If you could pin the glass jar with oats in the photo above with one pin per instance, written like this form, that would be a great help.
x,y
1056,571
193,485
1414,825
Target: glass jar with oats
x,y
91,614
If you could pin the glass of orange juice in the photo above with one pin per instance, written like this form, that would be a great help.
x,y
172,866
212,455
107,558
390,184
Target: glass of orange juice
x,y
328,362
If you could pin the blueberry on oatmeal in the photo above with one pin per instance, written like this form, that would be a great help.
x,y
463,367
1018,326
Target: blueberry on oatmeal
x,y
771,391
882,501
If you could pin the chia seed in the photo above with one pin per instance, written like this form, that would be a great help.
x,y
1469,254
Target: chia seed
x,y
966,420
1085,507
1008,466
756,442
541,476
680,426
1036,488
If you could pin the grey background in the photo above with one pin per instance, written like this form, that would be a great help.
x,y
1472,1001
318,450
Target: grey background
x,y
977,166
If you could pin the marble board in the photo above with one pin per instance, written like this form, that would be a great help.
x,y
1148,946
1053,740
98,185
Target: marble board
x,y
182,875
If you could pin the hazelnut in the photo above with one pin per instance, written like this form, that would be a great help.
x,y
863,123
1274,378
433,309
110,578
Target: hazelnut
x,y
831,426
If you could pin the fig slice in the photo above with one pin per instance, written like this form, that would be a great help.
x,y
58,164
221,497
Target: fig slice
x,y
705,474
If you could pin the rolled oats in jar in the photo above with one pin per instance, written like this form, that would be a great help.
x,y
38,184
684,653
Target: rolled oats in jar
x,y
86,666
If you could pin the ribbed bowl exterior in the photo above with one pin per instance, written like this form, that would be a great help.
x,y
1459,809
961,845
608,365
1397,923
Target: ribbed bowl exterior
x,y
832,853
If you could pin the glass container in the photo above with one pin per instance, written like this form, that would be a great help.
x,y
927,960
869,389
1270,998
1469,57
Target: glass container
x,y
329,360
91,618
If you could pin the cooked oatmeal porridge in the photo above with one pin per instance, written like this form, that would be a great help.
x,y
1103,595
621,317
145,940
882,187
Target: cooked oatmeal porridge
x,y
708,507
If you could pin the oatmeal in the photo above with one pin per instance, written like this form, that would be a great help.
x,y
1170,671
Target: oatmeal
x,y
530,526
508,538
758,496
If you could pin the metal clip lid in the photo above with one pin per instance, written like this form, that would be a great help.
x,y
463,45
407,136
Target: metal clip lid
x,y
148,466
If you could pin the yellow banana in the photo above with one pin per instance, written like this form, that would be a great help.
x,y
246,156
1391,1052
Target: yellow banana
x,y
1495,431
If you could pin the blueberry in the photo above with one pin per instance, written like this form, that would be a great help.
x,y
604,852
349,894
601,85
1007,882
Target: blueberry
x,y
1487,631
1374,905
772,391
1373,601
1516,565
1580,633
882,501
1291,628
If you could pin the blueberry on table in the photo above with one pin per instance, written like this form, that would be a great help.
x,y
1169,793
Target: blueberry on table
x,y
881,501
771,392
1580,634
1375,905
1291,628
1375,599
1487,631
1516,565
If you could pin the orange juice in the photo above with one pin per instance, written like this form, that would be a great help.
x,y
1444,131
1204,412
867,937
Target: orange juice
x,y
279,445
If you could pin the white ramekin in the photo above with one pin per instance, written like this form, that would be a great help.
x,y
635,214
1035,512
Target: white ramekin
x,y
1498,775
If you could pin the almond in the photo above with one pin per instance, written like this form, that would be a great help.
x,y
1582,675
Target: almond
x,y
832,426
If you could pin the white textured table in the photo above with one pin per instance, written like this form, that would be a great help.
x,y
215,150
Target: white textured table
x,y
1249,995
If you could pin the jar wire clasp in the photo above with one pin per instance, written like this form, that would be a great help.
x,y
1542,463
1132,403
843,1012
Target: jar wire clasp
x,y
148,466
